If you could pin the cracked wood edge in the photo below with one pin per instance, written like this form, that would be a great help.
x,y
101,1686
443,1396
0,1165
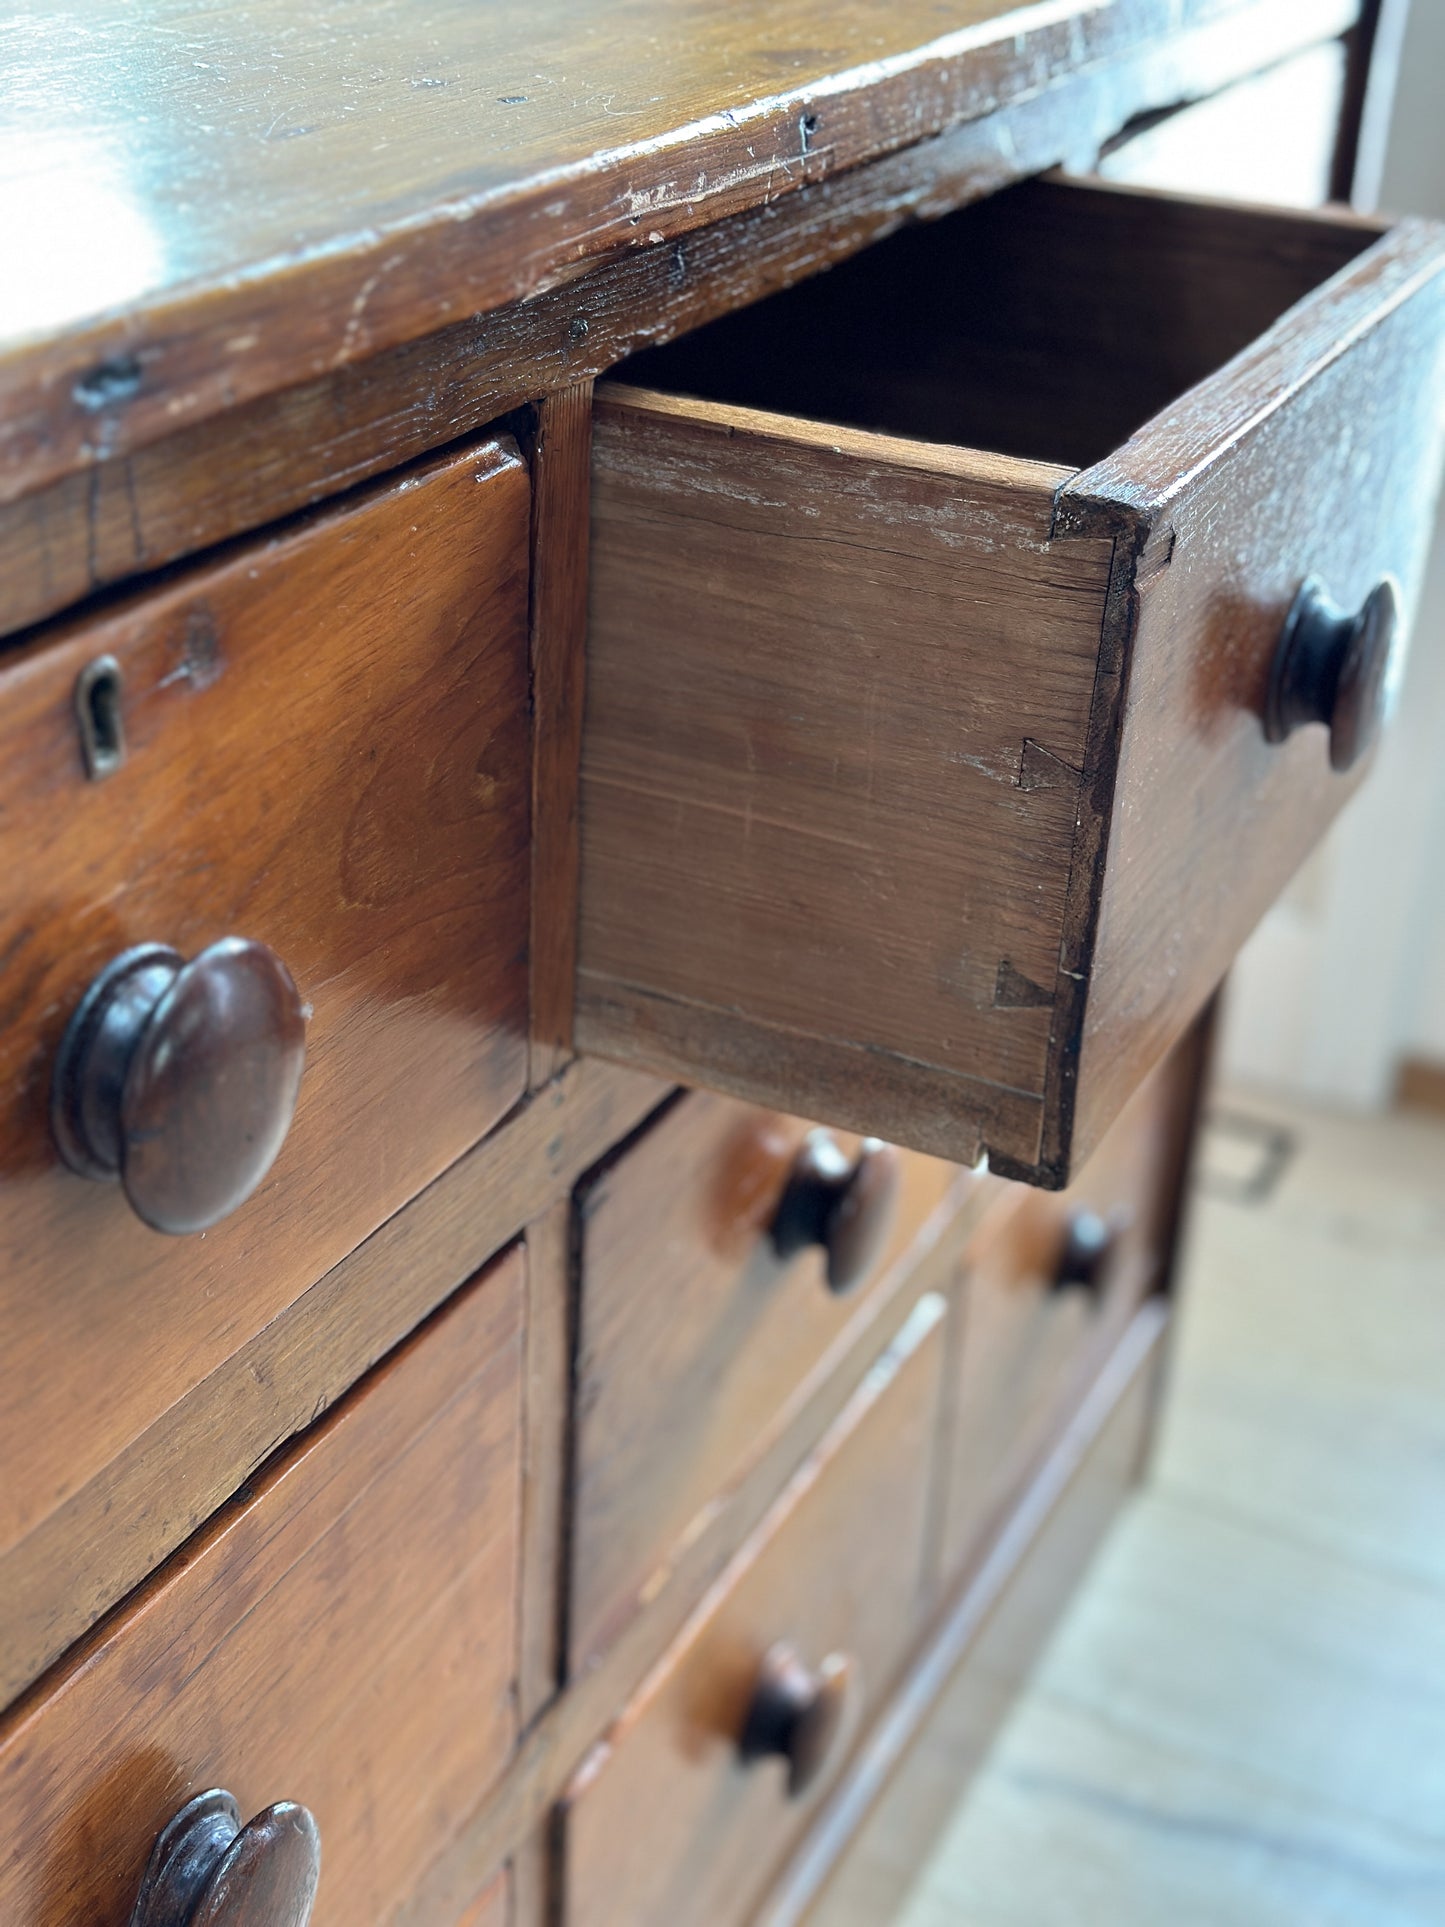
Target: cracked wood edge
x,y
104,385
168,488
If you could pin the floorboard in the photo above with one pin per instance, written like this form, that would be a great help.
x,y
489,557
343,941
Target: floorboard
x,y
1241,1722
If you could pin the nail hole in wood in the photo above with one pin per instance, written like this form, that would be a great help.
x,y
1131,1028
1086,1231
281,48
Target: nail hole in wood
x,y
111,381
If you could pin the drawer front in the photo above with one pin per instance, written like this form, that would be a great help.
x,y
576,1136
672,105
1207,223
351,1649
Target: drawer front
x,y
1048,1284
833,1575
926,785
342,1635
1006,1614
493,1909
326,752
696,1339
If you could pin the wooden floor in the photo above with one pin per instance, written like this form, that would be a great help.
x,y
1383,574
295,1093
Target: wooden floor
x,y
1242,1721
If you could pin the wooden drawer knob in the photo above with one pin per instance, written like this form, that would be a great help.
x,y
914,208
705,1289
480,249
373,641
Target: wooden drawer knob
x,y
1334,668
180,1079
797,1713
1090,1242
845,1206
207,1870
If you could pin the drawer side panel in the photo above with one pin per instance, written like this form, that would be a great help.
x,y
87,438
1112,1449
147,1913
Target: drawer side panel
x,y
794,792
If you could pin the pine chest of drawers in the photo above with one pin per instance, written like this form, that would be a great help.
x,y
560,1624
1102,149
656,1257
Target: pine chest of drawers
x,y
604,983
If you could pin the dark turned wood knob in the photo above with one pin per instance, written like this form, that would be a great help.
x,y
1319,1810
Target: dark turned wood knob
x,y
1334,668
844,1205
797,1713
179,1079
207,1870
1088,1250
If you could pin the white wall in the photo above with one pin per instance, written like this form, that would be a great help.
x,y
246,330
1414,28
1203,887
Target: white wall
x,y
1347,974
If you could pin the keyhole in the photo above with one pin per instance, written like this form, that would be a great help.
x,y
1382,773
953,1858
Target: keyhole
x,y
97,709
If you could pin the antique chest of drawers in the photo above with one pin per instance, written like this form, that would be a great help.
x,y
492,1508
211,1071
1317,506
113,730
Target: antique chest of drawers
x,y
604,983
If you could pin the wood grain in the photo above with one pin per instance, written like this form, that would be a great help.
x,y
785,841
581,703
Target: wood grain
x,y
1023,1354
1228,501
493,1908
1293,1650
835,1568
545,1487
302,720
240,202
866,1847
1074,312
343,1633
1300,1403
145,505
696,1345
838,689
561,471
138,1508
550,1751
838,732
1289,1544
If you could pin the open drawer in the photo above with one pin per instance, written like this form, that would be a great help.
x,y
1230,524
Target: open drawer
x,y
928,781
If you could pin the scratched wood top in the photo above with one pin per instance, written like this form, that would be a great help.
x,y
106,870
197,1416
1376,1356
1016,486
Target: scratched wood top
x,y
203,202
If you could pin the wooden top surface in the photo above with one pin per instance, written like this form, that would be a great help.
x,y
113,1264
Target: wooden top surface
x,y
205,200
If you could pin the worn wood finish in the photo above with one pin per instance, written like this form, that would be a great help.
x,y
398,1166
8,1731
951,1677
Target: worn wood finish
x,y
1073,314
786,777
550,1751
696,1344
852,694
88,1552
835,1569
344,1632
251,427
220,246
561,470
327,750
967,1676
544,1496
223,474
493,1908
1026,1346
1254,1646
1220,508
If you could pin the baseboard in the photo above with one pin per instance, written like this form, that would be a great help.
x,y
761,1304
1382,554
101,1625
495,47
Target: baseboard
x,y
1420,1085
